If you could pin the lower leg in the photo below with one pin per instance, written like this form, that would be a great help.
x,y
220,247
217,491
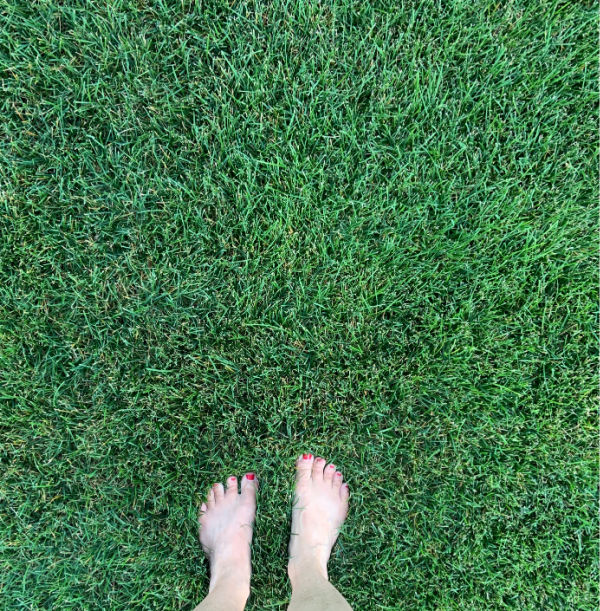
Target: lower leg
x,y
222,599
228,590
311,589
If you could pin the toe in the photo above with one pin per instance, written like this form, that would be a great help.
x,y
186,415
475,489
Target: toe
x,y
210,499
337,479
232,485
202,515
202,512
304,466
345,492
219,491
317,470
249,486
329,472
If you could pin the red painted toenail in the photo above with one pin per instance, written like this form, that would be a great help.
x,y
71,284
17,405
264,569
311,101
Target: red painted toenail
x,y
249,475
306,456
232,479
337,473
331,466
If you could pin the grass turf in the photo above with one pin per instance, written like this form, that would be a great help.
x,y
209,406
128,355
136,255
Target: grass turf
x,y
232,232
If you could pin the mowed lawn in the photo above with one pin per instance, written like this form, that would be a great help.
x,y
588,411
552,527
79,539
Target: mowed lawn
x,y
234,231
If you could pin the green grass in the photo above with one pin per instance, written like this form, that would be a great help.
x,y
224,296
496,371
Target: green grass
x,y
234,231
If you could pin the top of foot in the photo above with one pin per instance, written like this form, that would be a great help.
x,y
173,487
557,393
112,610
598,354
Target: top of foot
x,y
226,520
320,508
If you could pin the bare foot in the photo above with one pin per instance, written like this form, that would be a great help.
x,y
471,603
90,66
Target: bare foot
x,y
226,521
320,508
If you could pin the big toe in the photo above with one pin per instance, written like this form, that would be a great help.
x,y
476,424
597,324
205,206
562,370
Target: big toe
x,y
248,488
304,466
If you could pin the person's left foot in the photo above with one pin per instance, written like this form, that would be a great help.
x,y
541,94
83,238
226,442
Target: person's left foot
x,y
226,520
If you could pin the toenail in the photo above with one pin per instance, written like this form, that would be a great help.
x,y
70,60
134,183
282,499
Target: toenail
x,y
337,473
306,456
232,479
249,475
331,467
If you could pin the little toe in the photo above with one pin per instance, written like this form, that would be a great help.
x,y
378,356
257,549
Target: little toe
x,y
329,472
249,486
232,485
317,470
210,499
202,518
219,491
338,479
344,492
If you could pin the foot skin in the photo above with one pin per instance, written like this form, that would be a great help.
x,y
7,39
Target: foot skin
x,y
320,508
226,520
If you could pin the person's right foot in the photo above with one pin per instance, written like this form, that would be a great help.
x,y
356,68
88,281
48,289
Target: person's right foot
x,y
320,508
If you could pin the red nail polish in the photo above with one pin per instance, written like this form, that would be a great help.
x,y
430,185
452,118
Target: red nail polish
x,y
332,466
232,479
337,473
249,475
306,456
